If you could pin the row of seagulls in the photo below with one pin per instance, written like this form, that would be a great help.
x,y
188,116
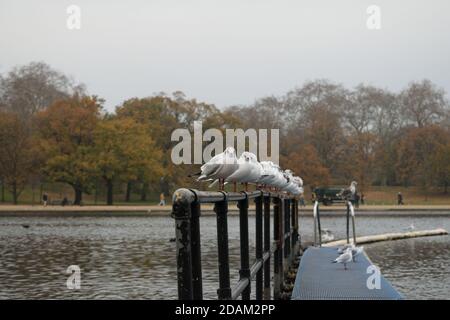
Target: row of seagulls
x,y
227,168
348,253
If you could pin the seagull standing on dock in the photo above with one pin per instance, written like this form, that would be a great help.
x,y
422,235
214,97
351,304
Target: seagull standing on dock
x,y
349,193
345,258
356,251
342,249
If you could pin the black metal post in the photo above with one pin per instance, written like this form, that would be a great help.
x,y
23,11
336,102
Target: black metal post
x,y
348,223
196,252
181,211
244,272
221,210
287,229
278,254
318,225
259,244
294,233
267,247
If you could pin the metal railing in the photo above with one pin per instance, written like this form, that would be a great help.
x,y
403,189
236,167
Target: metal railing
x,y
283,248
318,228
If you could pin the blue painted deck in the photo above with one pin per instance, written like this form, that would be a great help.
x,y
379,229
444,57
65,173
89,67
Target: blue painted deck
x,y
318,278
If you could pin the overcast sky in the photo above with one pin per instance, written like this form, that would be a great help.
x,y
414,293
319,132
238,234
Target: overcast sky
x,y
228,51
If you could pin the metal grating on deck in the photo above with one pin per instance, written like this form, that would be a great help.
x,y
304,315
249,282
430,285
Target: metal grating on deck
x,y
318,278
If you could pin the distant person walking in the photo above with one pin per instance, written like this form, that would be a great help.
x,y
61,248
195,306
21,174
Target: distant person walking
x,y
45,199
162,199
399,199
356,200
362,198
302,201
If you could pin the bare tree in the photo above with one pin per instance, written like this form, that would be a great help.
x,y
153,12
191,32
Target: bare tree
x,y
423,103
28,89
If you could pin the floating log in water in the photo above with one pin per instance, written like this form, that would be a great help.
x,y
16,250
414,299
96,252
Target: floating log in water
x,y
390,236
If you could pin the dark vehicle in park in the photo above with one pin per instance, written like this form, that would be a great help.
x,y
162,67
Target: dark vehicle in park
x,y
329,195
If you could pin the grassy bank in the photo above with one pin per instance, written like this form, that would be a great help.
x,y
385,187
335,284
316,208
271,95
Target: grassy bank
x,y
373,196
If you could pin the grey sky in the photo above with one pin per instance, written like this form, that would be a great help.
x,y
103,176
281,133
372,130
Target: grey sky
x,y
228,51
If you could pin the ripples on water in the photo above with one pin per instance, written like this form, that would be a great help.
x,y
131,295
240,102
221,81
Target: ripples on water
x,y
132,257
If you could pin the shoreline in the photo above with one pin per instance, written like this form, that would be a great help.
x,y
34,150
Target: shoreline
x,y
207,210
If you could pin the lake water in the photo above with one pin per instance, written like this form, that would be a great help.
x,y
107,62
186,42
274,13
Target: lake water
x,y
132,257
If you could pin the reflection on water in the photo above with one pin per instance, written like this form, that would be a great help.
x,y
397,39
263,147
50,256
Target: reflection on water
x,y
132,257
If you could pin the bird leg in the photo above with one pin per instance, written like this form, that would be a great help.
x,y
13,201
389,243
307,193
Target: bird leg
x,y
234,186
221,187
246,186
345,266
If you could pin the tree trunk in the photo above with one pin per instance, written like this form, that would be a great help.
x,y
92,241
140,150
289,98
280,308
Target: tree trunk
x,y
109,195
3,191
128,192
144,191
78,195
14,193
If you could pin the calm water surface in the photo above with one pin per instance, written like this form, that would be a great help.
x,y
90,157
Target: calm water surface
x,y
132,257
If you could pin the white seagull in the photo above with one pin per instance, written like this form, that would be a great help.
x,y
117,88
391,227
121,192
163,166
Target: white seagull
x,y
349,192
356,251
249,170
219,167
345,258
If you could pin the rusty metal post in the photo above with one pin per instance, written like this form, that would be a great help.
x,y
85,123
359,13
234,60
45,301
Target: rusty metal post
x,y
181,211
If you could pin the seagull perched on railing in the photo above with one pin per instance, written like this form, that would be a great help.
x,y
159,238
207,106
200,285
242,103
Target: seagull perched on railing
x,y
219,167
249,170
349,193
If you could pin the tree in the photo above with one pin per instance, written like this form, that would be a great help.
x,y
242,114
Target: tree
x,y
420,155
124,151
65,135
31,88
423,103
306,163
16,154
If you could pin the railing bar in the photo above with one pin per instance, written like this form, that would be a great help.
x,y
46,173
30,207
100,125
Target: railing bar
x,y
259,245
244,272
224,291
196,252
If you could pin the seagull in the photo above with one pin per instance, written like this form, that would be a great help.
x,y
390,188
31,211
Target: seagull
x,y
249,170
412,227
341,249
344,258
356,251
349,192
219,167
